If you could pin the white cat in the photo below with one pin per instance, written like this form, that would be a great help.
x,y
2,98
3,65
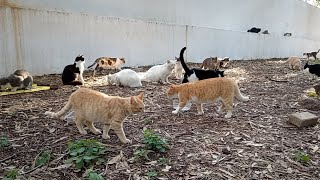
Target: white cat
x,y
178,69
159,73
126,77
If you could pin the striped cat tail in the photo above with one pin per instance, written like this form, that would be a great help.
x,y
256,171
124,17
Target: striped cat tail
x,y
238,94
60,113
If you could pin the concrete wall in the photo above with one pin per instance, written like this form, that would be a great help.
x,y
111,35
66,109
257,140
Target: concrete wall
x,y
45,35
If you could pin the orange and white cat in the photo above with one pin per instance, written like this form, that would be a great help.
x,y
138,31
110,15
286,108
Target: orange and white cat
x,y
205,91
90,106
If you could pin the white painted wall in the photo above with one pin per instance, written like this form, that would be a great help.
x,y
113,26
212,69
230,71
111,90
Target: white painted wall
x,y
45,35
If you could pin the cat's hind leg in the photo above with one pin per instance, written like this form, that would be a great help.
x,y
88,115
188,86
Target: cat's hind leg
x,y
227,106
79,121
92,128
118,129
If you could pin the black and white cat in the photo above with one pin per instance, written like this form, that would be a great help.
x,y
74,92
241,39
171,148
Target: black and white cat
x,y
20,79
71,72
313,71
197,74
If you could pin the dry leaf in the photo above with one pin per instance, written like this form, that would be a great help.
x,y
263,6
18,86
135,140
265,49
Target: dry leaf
x,y
64,166
116,159
152,162
315,148
166,169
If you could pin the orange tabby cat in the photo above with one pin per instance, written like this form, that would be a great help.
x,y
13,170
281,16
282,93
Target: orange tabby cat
x,y
90,106
294,63
208,90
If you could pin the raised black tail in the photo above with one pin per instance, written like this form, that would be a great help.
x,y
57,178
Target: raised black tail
x,y
185,67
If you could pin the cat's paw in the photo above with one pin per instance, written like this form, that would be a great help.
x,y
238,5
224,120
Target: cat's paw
x,y
97,131
105,136
127,141
228,116
174,112
200,113
83,132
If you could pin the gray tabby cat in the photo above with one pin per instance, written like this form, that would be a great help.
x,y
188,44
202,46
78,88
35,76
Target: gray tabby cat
x,y
20,79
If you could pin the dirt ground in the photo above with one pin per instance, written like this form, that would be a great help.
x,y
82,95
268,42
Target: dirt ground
x,y
256,143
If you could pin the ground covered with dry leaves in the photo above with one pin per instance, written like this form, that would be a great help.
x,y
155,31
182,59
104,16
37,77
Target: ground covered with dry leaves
x,y
256,143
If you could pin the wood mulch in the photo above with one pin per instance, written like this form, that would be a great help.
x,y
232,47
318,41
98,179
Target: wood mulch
x,y
256,143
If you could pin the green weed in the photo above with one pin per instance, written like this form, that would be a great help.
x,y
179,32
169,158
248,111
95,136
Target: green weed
x,y
84,153
44,158
302,157
154,141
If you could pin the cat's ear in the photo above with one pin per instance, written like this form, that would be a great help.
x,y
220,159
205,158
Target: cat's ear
x,y
140,96
176,57
132,100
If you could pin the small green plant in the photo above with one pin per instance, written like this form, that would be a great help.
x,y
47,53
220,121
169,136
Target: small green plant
x,y
11,174
85,153
141,154
302,157
44,158
4,142
148,120
154,141
163,161
152,174
93,175
312,94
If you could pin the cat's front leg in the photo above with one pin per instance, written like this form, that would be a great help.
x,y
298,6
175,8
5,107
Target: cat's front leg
x,y
81,78
14,89
199,108
106,129
118,128
167,80
181,106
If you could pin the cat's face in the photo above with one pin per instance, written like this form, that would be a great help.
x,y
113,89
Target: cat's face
x,y
122,60
110,79
172,91
171,64
136,103
79,58
214,59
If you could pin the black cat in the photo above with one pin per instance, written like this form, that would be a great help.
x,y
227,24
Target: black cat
x,y
254,30
71,72
197,74
312,71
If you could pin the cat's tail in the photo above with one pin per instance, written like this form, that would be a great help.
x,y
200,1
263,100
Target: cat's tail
x,y
238,94
60,113
95,62
185,67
